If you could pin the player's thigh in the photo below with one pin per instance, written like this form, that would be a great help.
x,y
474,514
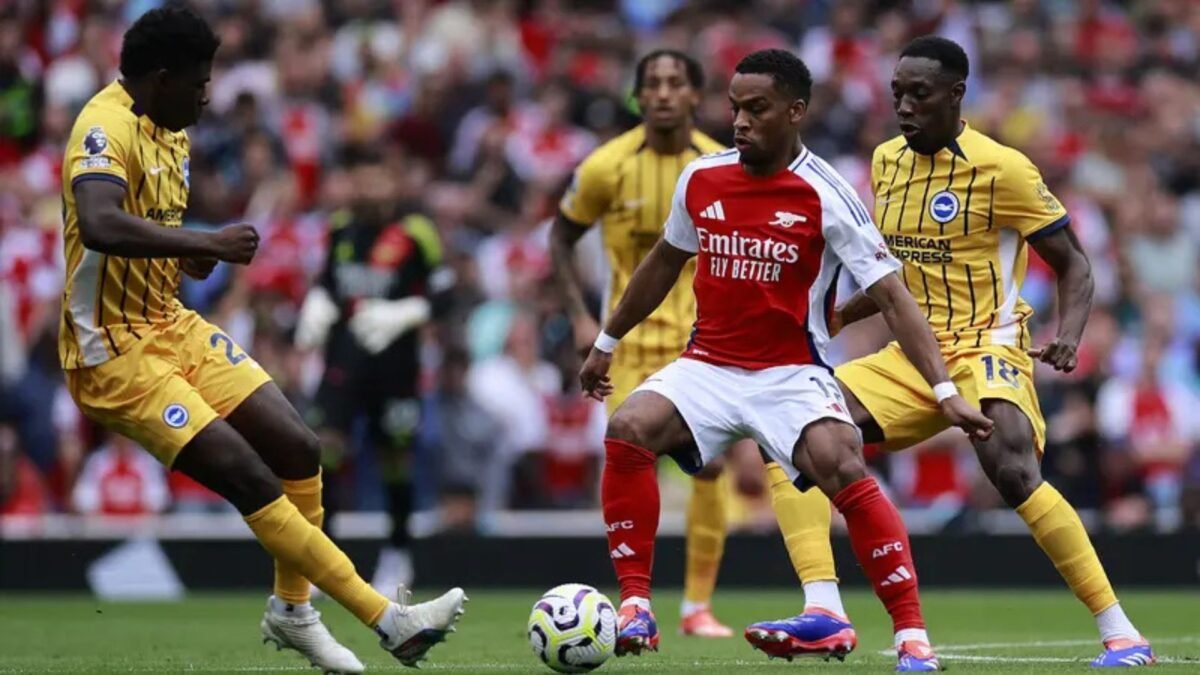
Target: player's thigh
x,y
801,422
891,389
269,422
144,396
220,459
1000,373
223,373
688,409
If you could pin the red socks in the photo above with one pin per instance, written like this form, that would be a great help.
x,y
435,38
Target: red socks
x,y
880,543
629,493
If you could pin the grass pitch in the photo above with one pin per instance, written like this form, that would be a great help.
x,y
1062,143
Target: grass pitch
x,y
975,631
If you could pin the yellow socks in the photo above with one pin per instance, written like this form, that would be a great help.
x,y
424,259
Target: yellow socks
x,y
706,530
291,586
296,543
804,522
1057,529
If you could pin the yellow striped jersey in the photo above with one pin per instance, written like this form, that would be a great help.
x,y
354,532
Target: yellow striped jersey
x,y
626,187
110,302
959,220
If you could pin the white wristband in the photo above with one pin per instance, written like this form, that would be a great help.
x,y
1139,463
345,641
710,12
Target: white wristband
x,y
605,342
944,391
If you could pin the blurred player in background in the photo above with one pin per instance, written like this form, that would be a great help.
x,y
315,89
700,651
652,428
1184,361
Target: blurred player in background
x,y
771,226
961,211
141,364
365,310
626,186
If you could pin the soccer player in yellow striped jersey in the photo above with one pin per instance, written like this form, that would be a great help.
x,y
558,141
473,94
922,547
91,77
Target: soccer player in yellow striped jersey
x,y
141,364
626,187
962,211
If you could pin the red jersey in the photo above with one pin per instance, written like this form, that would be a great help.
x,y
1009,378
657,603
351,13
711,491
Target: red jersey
x,y
770,250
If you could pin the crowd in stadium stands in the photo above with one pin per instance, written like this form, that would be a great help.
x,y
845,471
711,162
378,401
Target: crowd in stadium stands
x,y
485,106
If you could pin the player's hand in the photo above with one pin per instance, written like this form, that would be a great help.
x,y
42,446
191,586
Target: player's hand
x,y
377,323
967,417
585,329
236,243
593,377
198,268
1060,354
317,315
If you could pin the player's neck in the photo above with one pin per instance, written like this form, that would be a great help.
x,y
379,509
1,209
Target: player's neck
x,y
138,91
775,165
948,142
669,142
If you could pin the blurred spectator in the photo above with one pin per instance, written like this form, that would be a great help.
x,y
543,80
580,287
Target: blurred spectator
x,y
119,479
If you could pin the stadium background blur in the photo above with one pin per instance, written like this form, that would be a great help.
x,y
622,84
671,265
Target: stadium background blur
x,y
484,108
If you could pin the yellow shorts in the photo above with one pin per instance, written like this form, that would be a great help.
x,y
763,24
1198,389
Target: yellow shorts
x,y
900,400
627,378
174,382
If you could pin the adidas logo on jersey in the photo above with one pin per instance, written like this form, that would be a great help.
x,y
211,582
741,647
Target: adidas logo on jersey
x,y
900,575
621,551
714,211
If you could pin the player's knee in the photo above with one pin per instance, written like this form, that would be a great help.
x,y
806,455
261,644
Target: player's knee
x,y
627,426
1015,480
308,448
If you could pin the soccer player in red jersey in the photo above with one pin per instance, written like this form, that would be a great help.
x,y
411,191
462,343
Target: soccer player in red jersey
x,y
772,226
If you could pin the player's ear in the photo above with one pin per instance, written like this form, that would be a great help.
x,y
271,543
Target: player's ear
x,y
958,90
797,111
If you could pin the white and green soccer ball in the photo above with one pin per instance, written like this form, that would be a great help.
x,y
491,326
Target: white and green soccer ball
x,y
573,628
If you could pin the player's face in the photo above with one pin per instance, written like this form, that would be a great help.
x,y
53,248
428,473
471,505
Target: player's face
x,y
667,98
181,96
927,103
376,192
765,120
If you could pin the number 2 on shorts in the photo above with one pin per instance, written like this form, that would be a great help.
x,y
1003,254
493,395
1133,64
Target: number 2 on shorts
x,y
218,338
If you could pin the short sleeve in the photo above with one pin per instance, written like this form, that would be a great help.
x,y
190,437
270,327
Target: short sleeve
x,y
852,235
1024,203
679,230
100,148
590,193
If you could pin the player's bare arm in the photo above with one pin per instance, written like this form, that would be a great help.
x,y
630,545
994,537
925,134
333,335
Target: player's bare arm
x,y
916,339
860,306
1062,252
107,228
649,285
564,235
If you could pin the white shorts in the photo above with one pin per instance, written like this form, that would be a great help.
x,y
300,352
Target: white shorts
x,y
724,404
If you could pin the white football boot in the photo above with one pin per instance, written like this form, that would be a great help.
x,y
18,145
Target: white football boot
x,y
299,627
409,631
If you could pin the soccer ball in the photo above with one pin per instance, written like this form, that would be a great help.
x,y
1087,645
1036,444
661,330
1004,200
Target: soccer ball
x,y
573,628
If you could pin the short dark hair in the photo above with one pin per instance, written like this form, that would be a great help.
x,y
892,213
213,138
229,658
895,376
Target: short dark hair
x,y
790,74
172,37
947,53
695,74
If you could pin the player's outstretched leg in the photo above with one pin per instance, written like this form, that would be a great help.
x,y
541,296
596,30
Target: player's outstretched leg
x,y
646,426
1010,462
223,461
823,629
707,527
830,453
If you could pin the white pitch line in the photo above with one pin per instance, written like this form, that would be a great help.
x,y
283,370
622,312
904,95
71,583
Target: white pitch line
x,y
947,650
